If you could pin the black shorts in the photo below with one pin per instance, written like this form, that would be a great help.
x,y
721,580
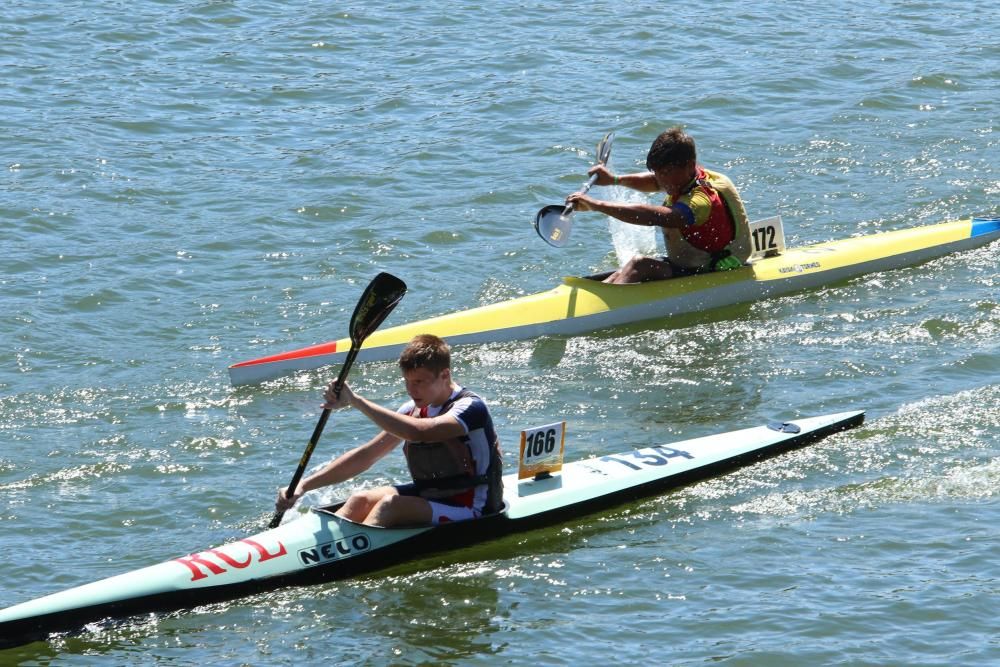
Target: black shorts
x,y
682,271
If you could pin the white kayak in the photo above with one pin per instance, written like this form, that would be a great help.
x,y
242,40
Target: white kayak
x,y
321,546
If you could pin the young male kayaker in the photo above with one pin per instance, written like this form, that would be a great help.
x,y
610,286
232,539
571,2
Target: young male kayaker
x,y
450,446
705,226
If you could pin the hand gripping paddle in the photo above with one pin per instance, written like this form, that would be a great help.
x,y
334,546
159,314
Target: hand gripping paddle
x,y
554,222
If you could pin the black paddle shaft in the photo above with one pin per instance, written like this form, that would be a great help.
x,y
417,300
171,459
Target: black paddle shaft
x,y
375,304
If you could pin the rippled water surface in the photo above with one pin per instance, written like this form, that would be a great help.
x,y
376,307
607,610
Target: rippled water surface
x,y
190,184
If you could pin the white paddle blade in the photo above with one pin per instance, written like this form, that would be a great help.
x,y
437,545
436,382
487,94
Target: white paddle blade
x,y
604,148
553,224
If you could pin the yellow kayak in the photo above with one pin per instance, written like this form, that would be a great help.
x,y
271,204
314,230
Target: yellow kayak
x,y
581,304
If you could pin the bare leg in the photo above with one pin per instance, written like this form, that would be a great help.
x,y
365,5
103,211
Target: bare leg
x,y
396,510
641,270
360,504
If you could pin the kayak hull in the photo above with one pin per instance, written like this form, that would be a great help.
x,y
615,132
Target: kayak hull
x,y
580,305
321,546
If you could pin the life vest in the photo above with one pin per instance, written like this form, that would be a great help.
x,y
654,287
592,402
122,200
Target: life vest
x,y
447,468
726,233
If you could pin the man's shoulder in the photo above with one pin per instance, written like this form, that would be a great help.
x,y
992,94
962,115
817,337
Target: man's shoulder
x,y
713,175
468,404
467,397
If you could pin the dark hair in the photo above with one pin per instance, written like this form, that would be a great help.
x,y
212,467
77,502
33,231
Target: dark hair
x,y
673,147
426,351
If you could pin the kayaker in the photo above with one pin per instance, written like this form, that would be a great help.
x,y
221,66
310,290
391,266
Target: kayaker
x,y
450,446
704,223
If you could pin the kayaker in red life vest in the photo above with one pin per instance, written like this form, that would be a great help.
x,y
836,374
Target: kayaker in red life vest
x,y
451,449
705,226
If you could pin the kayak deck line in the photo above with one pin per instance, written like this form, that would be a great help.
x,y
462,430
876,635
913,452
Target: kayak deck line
x,y
312,351
319,546
583,304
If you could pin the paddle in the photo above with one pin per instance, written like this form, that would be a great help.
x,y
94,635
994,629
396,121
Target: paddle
x,y
554,222
378,300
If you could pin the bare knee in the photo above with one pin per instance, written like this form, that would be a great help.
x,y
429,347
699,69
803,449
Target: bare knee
x,y
623,275
361,503
384,511
397,510
640,270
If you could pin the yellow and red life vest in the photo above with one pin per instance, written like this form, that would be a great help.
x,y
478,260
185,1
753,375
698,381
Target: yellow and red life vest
x,y
725,233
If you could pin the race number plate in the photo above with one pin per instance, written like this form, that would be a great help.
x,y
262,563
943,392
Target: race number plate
x,y
542,450
767,237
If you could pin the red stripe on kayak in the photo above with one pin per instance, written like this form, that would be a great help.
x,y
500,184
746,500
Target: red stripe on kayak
x,y
315,350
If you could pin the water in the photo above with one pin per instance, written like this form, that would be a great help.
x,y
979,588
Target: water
x,y
186,185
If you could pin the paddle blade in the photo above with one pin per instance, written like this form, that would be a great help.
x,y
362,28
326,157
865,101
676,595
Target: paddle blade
x,y
604,148
379,298
553,224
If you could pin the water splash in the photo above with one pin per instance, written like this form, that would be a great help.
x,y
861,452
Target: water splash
x,y
631,240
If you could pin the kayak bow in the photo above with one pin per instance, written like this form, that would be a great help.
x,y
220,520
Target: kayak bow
x,y
580,305
321,546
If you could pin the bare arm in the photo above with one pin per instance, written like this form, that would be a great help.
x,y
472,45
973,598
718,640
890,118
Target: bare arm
x,y
405,427
645,215
643,181
344,467
414,429
351,464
